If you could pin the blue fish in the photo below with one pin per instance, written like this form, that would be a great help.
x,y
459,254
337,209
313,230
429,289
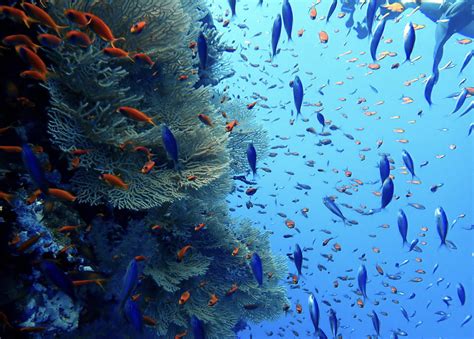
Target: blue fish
x,y
376,323
202,50
252,159
461,293
333,322
408,161
402,225
471,126
321,120
332,8
170,143
298,94
435,268
461,99
441,224
58,277
331,205
370,16
287,14
409,38
260,3
362,280
232,4
413,244
468,109
466,320
133,314
432,80
466,61
376,39
384,168
130,280
387,192
34,168
276,32
197,327
256,265
314,312
298,257
405,313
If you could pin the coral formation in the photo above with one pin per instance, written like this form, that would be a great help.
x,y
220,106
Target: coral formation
x,y
176,203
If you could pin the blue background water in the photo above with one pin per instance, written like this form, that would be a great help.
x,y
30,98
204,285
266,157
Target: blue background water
x,y
431,135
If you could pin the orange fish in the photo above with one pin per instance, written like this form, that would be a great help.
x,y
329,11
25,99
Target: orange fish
x,y
251,105
232,290
295,279
16,15
313,13
149,321
20,39
299,308
323,37
78,38
184,298
32,198
62,194
142,57
205,120
183,77
182,253
140,258
31,58
199,227
99,27
117,53
68,228
65,249
138,27
11,149
235,251
33,75
41,16
213,300
148,167
191,178
8,197
301,32
88,282
135,114
32,329
230,126
181,335
49,40
114,180
289,223
374,66
75,162
29,243
156,227
77,17
360,303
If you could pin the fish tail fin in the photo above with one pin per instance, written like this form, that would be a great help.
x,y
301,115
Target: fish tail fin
x,y
112,43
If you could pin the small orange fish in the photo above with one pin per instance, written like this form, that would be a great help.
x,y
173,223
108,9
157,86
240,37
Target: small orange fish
x,y
199,227
75,162
62,194
66,248
138,27
31,58
140,258
33,75
32,329
99,27
136,297
232,290
230,126
149,321
374,66
360,303
68,228
77,17
251,105
213,300
29,243
135,114
235,251
295,279
148,167
16,15
191,178
181,335
182,253
8,197
49,40
183,77
290,223
32,198
11,149
78,38
89,281
184,298
41,16
20,39
117,53
156,227
206,120
114,180
299,308
143,58
313,13
323,37
301,32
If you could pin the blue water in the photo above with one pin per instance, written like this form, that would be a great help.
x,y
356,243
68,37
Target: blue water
x,y
432,138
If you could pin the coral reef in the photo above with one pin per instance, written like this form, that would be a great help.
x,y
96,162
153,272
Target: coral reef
x,y
148,214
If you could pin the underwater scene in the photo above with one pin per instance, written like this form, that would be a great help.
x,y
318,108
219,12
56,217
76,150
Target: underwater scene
x,y
236,169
